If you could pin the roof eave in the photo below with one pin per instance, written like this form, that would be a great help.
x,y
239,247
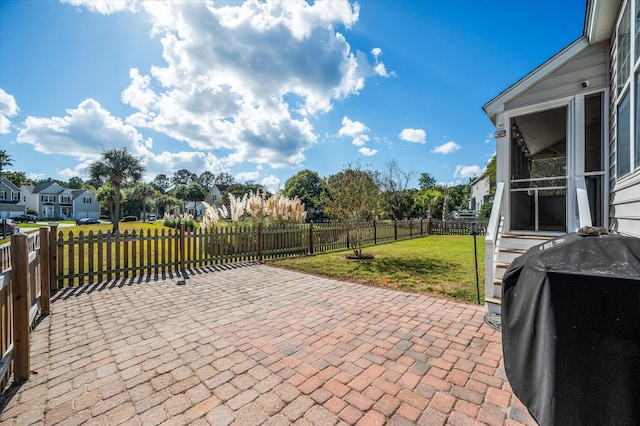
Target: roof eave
x,y
496,105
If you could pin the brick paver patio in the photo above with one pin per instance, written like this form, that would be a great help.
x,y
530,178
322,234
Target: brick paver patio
x,y
258,345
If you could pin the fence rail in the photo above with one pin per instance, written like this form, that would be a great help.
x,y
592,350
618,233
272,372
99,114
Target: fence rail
x,y
457,227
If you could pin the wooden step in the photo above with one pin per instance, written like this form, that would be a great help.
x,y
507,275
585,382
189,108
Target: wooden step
x,y
520,243
493,304
528,237
509,255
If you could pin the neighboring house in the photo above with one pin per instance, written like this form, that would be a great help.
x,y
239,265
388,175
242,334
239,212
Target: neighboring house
x,y
11,202
568,141
214,197
194,209
84,204
480,190
52,201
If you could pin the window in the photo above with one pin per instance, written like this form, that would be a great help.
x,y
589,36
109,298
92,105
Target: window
x,y
64,199
48,198
637,29
624,46
624,136
627,89
593,134
637,126
16,196
3,195
87,200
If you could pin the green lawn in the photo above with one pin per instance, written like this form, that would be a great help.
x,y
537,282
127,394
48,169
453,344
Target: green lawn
x,y
438,265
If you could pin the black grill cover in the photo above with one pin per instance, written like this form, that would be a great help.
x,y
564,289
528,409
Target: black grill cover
x,y
571,330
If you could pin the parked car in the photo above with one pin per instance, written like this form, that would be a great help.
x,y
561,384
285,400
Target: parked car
x,y
26,218
87,221
9,226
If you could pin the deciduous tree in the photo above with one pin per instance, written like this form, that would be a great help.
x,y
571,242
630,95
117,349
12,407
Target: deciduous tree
x,y
351,197
307,186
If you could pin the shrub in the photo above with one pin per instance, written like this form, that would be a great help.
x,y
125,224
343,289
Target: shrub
x,y
485,210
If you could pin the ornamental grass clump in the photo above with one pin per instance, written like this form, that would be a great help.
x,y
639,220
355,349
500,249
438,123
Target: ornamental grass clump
x,y
212,215
275,209
174,221
255,208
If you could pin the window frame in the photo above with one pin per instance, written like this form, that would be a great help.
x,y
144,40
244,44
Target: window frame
x,y
627,87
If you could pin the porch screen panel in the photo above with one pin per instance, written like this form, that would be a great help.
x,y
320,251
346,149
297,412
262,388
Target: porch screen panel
x,y
538,185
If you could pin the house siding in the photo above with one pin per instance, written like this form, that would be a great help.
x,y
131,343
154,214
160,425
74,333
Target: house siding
x,y
624,199
625,206
11,206
590,64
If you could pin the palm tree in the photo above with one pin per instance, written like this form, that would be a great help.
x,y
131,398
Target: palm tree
x,y
105,196
5,159
143,191
117,166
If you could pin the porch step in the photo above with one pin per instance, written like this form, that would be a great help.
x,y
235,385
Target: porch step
x,y
493,305
511,247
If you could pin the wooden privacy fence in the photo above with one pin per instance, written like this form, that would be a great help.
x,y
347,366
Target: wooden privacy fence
x,y
24,289
96,256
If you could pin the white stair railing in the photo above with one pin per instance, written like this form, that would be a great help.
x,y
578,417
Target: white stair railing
x,y
494,230
584,211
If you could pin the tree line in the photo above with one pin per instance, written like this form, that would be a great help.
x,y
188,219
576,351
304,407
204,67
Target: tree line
x,y
356,192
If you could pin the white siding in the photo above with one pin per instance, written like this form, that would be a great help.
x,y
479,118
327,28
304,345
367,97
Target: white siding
x,y
625,206
590,64
624,202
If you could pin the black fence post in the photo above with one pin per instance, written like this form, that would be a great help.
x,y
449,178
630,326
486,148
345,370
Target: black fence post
x,y
375,233
260,241
395,229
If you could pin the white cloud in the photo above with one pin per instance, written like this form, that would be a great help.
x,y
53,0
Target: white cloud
x,y
413,135
355,130
83,133
489,138
138,94
210,96
446,148
375,69
270,181
379,67
246,176
467,171
367,151
244,78
169,162
8,108
450,183
105,7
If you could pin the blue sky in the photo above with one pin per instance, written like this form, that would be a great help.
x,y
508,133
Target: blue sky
x,y
263,90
